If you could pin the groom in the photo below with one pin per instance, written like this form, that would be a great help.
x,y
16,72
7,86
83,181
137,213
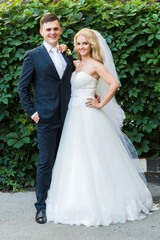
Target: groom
x,y
49,72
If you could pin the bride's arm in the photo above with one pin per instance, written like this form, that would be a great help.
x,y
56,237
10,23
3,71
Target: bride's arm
x,y
110,80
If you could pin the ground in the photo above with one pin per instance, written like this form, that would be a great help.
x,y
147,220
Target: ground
x,y
17,222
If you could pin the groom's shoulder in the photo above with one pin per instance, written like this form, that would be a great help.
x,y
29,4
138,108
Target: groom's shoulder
x,y
34,51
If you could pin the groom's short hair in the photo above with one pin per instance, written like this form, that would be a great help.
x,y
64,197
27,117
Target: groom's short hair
x,y
49,17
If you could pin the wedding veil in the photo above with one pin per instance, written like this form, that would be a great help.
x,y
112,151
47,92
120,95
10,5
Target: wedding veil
x,y
113,111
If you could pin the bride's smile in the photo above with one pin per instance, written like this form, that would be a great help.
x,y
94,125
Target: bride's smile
x,y
83,46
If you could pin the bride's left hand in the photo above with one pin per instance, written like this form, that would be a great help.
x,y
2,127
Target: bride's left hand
x,y
92,102
62,48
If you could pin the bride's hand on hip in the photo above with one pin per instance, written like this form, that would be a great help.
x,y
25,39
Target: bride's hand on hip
x,y
92,102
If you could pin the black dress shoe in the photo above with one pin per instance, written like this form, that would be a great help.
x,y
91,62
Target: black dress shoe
x,y
41,216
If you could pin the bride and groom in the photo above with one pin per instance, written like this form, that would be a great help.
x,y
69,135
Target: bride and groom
x,y
93,181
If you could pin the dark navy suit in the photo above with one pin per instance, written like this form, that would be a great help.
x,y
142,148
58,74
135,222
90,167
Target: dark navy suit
x,y
51,97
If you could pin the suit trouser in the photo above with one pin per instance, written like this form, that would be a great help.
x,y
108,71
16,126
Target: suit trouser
x,y
48,141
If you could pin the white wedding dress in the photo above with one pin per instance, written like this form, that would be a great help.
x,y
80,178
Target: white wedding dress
x,y
94,181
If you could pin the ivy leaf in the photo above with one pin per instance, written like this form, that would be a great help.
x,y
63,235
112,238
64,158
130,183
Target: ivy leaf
x,y
5,101
79,15
67,32
143,58
18,144
132,71
155,61
153,28
155,16
81,2
147,30
16,42
13,135
138,139
123,56
26,140
158,36
11,142
25,134
151,37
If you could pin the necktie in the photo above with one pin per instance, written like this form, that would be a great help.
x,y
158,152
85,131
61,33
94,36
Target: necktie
x,y
55,55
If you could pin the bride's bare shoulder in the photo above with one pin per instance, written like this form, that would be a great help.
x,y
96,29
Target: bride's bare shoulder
x,y
76,63
96,64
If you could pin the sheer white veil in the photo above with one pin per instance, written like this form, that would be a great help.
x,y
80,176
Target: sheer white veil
x,y
113,111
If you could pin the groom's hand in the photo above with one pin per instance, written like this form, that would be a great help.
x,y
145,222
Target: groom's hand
x,y
36,118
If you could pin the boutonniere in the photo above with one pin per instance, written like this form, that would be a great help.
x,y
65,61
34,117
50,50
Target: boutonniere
x,y
68,52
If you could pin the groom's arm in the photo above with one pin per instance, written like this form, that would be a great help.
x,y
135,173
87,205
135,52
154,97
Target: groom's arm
x,y
26,78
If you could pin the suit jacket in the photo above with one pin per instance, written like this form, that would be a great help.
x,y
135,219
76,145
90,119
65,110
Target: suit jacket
x,y
51,94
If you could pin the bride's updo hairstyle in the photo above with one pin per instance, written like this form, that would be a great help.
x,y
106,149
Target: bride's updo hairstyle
x,y
92,40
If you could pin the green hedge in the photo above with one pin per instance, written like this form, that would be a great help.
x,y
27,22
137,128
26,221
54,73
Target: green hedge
x,y
132,31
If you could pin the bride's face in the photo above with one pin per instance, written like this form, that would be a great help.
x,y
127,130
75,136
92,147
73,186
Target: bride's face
x,y
83,47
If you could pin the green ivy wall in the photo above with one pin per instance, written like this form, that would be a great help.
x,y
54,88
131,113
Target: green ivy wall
x,y
132,31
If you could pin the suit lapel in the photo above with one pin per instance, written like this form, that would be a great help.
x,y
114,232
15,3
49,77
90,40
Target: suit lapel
x,y
49,61
47,58
67,61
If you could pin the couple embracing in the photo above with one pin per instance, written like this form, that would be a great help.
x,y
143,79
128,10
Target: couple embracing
x,y
93,181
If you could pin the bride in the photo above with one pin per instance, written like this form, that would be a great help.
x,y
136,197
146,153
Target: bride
x,y
94,180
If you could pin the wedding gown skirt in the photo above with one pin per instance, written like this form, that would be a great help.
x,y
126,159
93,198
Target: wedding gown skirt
x,y
94,181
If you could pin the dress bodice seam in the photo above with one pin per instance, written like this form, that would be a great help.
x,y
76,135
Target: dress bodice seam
x,y
86,73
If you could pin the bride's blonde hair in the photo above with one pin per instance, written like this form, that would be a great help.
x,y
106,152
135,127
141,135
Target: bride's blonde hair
x,y
92,40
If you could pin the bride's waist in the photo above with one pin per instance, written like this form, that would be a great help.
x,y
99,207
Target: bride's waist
x,y
79,100
85,93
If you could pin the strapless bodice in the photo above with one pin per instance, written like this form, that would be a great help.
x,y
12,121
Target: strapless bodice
x,y
83,86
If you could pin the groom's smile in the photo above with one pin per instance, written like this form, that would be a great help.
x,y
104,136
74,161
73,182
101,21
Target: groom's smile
x,y
51,32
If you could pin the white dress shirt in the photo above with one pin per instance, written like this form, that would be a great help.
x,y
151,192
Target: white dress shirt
x,y
48,48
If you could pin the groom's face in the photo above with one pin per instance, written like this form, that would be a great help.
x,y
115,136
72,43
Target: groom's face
x,y
51,32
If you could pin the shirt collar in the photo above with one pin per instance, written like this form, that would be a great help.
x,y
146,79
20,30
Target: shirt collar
x,y
48,46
